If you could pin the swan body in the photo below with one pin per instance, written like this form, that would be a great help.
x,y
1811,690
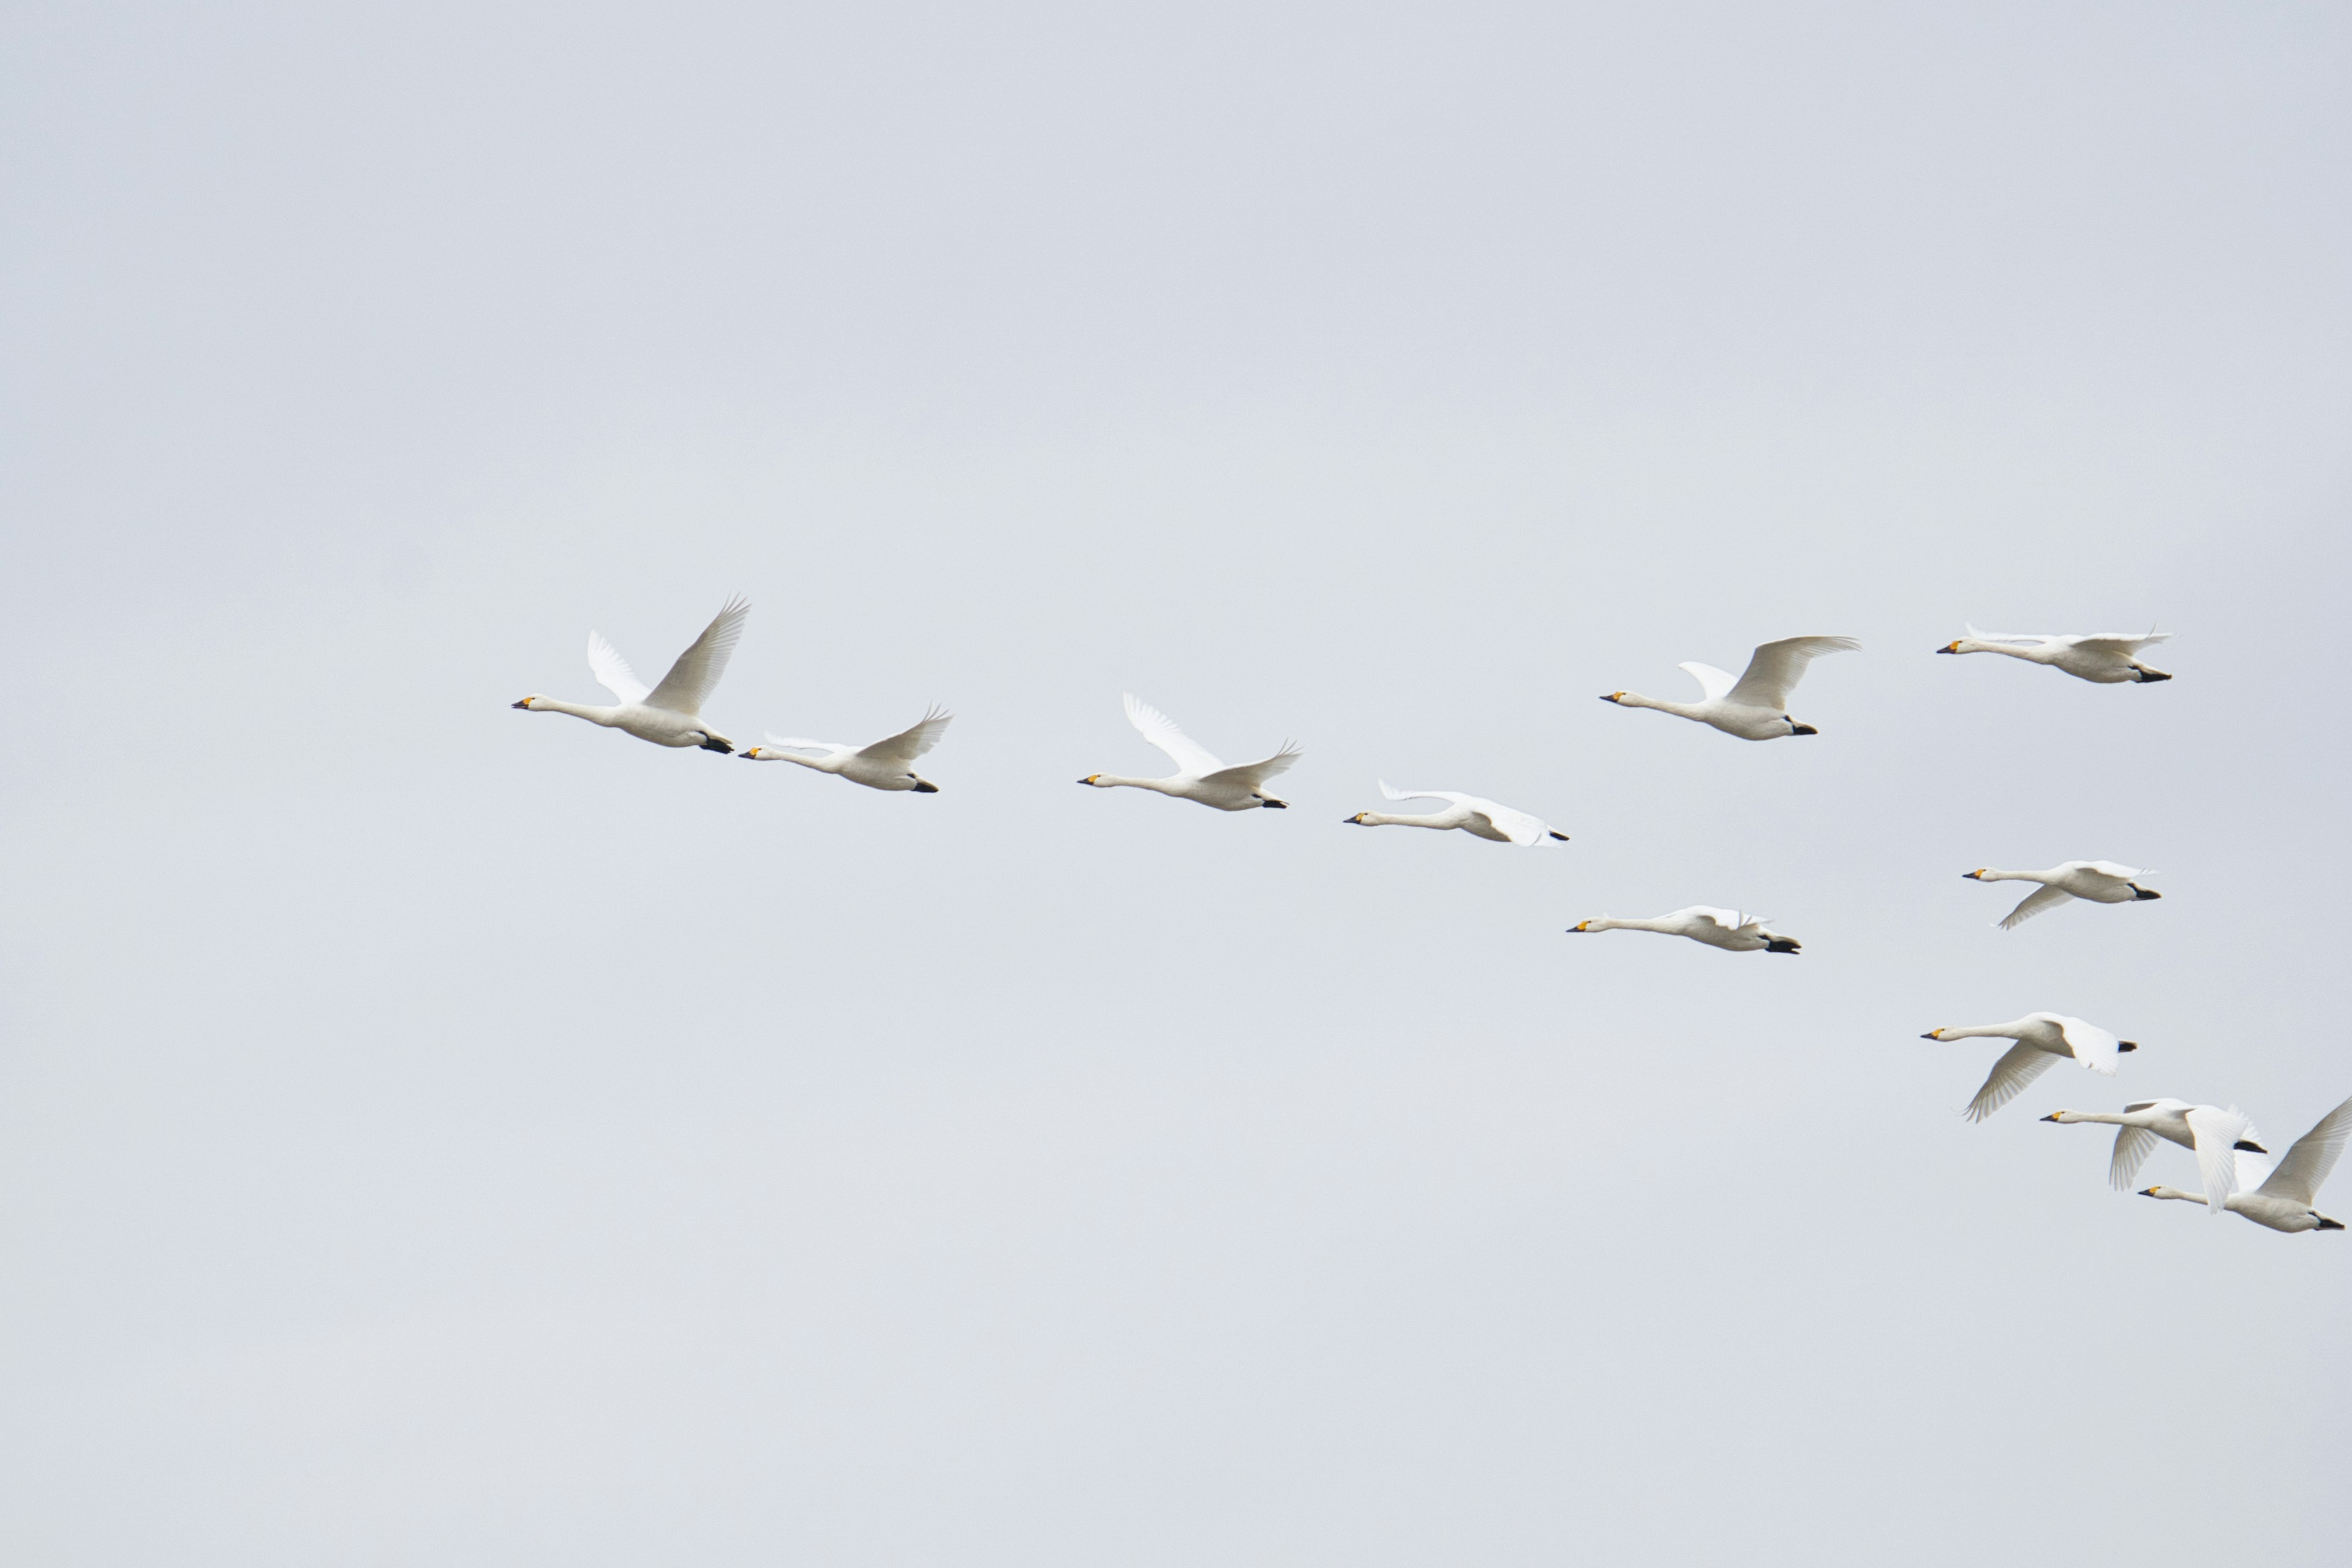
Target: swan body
x,y
1199,776
1481,817
2101,881
2213,1133
2284,1201
2111,658
1754,707
2041,1039
669,714
1727,929
886,764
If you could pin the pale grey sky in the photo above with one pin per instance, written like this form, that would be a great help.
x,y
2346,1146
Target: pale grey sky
x,y
435,1134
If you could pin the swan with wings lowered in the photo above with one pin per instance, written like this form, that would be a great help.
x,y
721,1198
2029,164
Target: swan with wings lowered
x,y
669,714
2110,658
1474,814
2211,1130
1727,929
1755,707
2041,1039
2100,882
886,764
1199,776
2283,1199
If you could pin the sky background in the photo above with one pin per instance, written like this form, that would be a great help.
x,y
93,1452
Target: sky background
x,y
433,1134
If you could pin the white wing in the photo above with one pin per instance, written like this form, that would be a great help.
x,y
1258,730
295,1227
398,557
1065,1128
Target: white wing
x,y
2109,868
1730,919
795,743
1394,794
1253,775
2018,1065
1519,826
2123,642
2133,1146
1713,681
2216,1130
613,672
2034,902
2306,1167
2093,1047
907,744
697,670
1162,731
1777,668
2022,639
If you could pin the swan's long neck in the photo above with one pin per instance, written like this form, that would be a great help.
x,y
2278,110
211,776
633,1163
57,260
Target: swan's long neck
x,y
1680,710
1113,780
2109,1117
2174,1193
770,754
604,716
1979,1032
1385,819
1610,922
1969,645
1990,874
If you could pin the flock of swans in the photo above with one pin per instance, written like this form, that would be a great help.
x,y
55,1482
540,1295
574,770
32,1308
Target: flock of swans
x,y
2239,1174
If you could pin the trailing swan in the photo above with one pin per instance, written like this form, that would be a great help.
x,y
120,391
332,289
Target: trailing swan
x,y
2101,881
1199,776
1467,812
1727,929
1756,705
2111,658
2283,1200
2214,1134
669,714
885,764
2041,1039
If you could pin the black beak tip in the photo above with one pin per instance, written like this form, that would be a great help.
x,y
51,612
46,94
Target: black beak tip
x,y
1928,1036
1956,650
524,704
2053,1115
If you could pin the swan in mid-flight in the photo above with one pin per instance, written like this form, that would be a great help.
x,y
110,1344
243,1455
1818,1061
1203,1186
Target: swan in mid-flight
x,y
2111,658
1467,812
1756,705
2214,1133
2101,881
1727,929
669,714
2041,1039
2283,1200
885,764
1199,776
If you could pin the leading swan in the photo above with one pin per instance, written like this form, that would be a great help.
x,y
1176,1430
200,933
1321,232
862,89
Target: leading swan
x,y
2041,1039
886,764
1470,812
2110,658
669,714
2101,881
1756,705
1199,776
2283,1202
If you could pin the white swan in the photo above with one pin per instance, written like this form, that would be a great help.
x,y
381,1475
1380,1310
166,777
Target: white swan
x,y
1756,705
1727,929
2283,1200
2217,1135
1199,776
669,714
885,764
1467,812
2101,881
2108,657
2041,1039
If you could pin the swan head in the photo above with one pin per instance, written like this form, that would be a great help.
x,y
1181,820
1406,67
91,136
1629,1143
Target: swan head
x,y
1954,647
2059,1116
1975,876
1358,819
1613,697
1580,925
1935,1034
526,702
1094,779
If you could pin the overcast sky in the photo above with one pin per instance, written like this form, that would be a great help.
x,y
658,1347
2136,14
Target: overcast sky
x,y
431,1133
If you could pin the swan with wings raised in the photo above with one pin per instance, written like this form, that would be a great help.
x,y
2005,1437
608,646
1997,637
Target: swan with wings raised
x,y
2283,1199
885,764
1755,707
669,714
1199,776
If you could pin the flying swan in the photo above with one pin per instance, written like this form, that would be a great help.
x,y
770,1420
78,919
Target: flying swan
x,y
2101,881
2111,658
669,714
1756,705
1727,929
2215,1134
2284,1201
1199,776
2041,1039
885,764
1467,812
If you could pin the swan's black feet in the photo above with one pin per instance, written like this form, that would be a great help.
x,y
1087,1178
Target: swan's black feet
x,y
922,787
2329,1225
1562,836
713,743
2126,1044
2144,893
1783,945
2145,676
2250,1146
1275,804
1804,729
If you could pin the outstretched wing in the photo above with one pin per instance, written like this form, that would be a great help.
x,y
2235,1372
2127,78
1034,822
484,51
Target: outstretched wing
x,y
2123,642
1518,826
1393,794
613,672
697,670
1162,731
2016,639
2018,1065
2110,868
1777,668
2217,1132
1252,774
795,743
2034,902
2133,1146
2306,1167
1715,682
904,747
2093,1047
1730,919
